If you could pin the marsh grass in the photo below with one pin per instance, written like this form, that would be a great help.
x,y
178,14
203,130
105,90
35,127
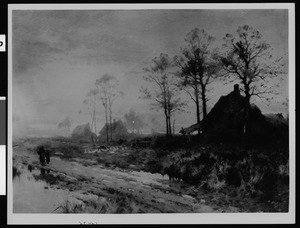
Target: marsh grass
x,y
67,207
118,203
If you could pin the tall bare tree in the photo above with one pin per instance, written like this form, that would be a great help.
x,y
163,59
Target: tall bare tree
x,y
107,86
248,58
91,105
164,91
197,67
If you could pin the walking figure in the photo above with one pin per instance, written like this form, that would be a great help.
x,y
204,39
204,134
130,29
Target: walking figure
x,y
41,152
47,156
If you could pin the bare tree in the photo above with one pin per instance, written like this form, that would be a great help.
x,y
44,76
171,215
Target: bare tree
x,y
91,103
107,86
248,59
66,124
197,68
164,90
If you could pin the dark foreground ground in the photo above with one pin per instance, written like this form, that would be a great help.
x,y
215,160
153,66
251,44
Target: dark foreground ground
x,y
126,179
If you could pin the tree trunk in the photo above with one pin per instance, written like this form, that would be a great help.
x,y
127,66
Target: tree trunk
x,y
167,123
169,116
107,129
197,109
94,116
170,127
166,110
204,105
174,127
110,124
247,110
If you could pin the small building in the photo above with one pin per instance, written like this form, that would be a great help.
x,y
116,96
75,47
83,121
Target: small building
x,y
226,120
84,133
118,130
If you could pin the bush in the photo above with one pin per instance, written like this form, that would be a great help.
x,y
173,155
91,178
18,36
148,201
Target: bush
x,y
170,143
69,151
255,172
121,163
153,166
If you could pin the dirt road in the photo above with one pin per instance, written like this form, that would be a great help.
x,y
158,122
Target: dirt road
x,y
153,193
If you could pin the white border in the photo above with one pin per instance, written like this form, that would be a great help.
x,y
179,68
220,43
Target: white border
x,y
205,218
2,170
2,164
150,6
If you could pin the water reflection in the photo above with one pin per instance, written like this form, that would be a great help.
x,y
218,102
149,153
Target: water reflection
x,y
33,192
46,176
16,172
30,168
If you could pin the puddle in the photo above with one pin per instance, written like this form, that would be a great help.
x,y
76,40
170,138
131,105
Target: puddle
x,y
149,178
34,192
107,181
188,197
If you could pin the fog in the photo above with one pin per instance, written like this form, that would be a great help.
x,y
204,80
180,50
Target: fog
x,y
58,55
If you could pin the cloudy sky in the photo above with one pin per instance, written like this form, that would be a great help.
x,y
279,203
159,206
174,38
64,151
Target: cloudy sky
x,y
58,55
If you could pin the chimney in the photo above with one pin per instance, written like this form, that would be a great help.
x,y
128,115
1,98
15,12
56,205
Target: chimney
x,y
236,89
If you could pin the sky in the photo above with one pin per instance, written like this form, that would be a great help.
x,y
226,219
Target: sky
x,y
59,54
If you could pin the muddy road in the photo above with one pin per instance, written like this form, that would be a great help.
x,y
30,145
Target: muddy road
x,y
150,193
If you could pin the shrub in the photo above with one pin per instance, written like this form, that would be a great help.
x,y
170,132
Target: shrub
x,y
170,143
255,172
153,166
70,151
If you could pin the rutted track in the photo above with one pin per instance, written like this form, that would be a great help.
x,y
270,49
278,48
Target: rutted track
x,y
151,192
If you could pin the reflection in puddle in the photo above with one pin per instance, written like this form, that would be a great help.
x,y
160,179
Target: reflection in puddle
x,y
30,168
33,193
45,176
16,172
